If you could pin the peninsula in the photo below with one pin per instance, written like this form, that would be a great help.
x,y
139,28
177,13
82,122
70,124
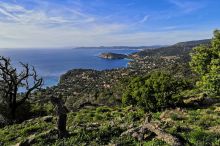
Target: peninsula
x,y
112,56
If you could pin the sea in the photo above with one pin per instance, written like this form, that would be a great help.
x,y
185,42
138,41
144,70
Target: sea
x,y
52,63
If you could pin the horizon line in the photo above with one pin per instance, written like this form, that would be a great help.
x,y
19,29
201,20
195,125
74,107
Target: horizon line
x,y
102,46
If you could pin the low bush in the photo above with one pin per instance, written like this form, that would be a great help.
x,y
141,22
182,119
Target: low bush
x,y
155,91
200,137
103,109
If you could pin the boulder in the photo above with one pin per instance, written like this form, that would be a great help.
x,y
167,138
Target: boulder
x,y
47,118
27,142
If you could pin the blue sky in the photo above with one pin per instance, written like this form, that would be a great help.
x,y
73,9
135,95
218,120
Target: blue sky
x,y
70,23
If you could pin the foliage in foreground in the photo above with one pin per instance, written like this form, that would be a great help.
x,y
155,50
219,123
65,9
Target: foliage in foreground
x,y
104,125
206,62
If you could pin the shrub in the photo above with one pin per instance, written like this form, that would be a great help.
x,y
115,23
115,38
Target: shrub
x,y
103,109
206,63
200,137
175,116
135,115
23,112
98,117
154,91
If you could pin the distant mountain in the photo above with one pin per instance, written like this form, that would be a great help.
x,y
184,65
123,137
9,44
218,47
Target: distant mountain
x,y
179,49
193,43
121,47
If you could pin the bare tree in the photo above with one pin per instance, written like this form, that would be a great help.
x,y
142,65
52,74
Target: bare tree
x,y
11,81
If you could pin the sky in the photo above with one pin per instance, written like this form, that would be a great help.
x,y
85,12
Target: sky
x,y
74,23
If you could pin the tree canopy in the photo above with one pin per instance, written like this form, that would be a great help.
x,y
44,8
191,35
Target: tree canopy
x,y
206,62
154,91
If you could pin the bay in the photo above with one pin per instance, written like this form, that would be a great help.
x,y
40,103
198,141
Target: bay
x,y
52,63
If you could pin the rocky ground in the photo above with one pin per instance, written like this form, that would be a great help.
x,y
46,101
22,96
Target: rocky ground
x,y
96,116
108,126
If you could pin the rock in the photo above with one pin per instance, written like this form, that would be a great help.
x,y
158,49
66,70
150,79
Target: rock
x,y
217,109
131,125
28,142
135,135
31,139
93,126
202,100
164,115
21,144
131,131
47,119
112,56
113,144
168,115
215,129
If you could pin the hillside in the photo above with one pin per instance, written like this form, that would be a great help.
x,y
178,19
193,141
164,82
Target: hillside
x,y
102,109
104,126
179,49
78,86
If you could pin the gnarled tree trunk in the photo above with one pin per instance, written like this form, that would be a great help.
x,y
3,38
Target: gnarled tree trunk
x,y
61,112
11,81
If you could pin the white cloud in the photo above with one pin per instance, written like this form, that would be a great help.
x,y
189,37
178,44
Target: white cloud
x,y
23,36
187,6
146,18
20,35
9,15
49,27
152,38
176,27
19,14
11,7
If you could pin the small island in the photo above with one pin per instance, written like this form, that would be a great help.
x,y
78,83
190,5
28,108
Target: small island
x,y
112,56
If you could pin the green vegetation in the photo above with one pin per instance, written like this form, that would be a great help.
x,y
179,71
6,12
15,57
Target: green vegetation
x,y
86,129
206,62
154,92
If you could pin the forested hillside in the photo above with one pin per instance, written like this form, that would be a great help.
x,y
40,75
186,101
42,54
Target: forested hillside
x,y
166,96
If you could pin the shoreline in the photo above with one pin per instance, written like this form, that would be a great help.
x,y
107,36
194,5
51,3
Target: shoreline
x,y
96,70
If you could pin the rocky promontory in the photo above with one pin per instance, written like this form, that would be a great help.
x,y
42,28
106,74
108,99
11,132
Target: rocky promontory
x,y
112,56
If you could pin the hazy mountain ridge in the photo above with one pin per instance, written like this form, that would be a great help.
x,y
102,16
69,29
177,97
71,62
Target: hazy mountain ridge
x,y
178,49
193,43
120,47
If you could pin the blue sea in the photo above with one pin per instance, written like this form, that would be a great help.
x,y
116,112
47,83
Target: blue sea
x,y
52,63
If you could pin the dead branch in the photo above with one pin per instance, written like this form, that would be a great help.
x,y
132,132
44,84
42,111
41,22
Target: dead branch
x,y
11,81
